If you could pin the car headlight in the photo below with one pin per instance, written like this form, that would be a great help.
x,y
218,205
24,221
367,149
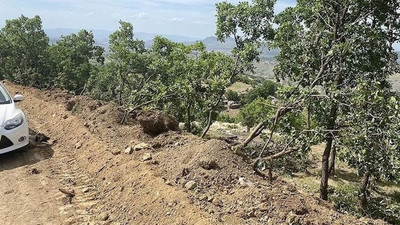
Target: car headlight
x,y
14,122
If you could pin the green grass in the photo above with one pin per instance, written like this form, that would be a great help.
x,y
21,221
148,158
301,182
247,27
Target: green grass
x,y
240,87
384,201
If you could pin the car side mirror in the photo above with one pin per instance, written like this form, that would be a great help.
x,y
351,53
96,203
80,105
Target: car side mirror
x,y
18,98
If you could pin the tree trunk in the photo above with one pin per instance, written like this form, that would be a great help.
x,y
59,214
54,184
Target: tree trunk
x,y
122,86
323,190
332,163
362,193
209,120
189,119
257,130
309,115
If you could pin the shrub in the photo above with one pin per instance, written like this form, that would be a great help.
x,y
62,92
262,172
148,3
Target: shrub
x,y
266,89
232,96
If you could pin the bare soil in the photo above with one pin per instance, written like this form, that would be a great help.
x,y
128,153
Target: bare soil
x,y
84,176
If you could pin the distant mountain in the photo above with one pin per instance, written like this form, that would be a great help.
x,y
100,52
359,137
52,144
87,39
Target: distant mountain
x,y
102,37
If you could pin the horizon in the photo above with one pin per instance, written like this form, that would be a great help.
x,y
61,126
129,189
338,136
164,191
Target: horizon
x,y
190,18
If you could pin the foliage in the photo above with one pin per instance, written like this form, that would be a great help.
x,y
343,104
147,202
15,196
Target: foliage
x,y
266,89
329,50
24,52
249,24
257,111
381,206
232,96
74,57
372,142
226,118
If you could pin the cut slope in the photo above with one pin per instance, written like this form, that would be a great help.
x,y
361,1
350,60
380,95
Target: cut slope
x,y
224,189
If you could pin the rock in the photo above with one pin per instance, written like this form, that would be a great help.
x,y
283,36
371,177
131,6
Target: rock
x,y
142,146
203,198
191,185
301,211
85,190
67,192
245,183
103,216
70,105
233,105
169,183
217,202
155,122
147,157
128,150
35,171
78,145
208,164
65,116
263,207
116,152
291,218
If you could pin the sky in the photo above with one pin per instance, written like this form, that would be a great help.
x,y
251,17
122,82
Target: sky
x,y
192,18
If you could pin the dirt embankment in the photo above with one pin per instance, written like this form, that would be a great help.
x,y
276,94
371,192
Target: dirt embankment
x,y
172,178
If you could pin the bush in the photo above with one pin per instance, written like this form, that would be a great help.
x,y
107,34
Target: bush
x,y
257,111
232,96
226,119
266,89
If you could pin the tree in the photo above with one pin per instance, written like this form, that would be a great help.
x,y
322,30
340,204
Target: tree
x,y
128,58
372,144
249,24
266,89
336,45
24,55
75,57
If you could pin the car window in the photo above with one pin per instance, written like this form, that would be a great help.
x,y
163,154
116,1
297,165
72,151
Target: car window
x,y
4,97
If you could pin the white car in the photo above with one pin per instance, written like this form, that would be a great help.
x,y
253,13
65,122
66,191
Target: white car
x,y
14,132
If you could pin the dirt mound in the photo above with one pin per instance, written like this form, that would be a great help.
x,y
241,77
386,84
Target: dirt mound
x,y
156,122
183,180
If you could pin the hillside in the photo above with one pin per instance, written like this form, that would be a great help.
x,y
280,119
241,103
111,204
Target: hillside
x,y
85,176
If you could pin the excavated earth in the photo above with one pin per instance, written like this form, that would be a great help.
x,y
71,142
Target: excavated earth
x,y
83,174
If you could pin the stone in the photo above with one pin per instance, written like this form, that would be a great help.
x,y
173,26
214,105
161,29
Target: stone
x,y
116,152
263,207
128,150
78,145
85,190
142,146
245,183
147,157
191,185
156,122
208,164
103,216
203,198
70,105
291,218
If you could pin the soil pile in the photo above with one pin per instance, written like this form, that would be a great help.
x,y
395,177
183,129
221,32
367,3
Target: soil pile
x,y
137,177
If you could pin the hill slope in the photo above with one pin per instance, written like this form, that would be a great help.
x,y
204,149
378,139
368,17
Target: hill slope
x,y
89,160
